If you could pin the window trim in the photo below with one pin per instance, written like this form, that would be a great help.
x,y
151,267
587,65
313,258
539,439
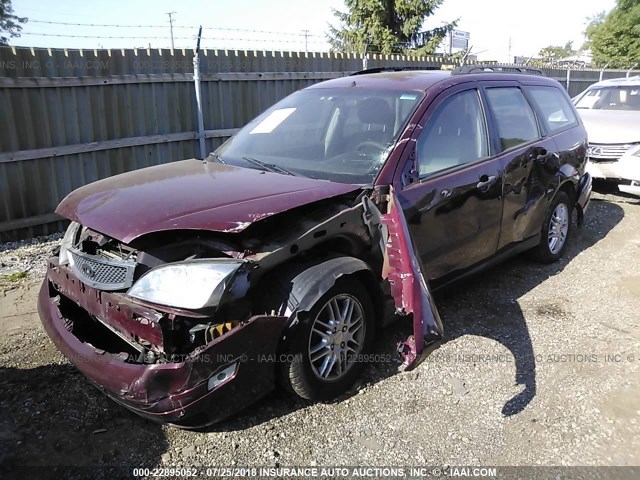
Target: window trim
x,y
494,131
454,168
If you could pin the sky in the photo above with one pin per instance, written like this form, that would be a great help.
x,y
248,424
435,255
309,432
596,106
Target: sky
x,y
499,29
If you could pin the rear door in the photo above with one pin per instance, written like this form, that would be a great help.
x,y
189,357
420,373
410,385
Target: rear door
x,y
559,120
454,207
526,153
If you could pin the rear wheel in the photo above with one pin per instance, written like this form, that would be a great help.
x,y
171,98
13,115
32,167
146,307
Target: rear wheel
x,y
556,229
325,356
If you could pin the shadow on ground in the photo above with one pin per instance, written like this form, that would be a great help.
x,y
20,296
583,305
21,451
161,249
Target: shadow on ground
x,y
486,305
51,416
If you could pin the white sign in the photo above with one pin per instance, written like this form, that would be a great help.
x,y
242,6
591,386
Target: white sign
x,y
460,34
460,39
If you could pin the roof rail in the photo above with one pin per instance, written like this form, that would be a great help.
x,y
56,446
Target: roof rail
x,y
496,68
391,69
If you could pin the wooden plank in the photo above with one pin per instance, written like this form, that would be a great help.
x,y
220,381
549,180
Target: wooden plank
x,y
22,155
44,82
30,222
221,133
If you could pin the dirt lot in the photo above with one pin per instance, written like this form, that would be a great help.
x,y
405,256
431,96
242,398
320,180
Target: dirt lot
x,y
541,365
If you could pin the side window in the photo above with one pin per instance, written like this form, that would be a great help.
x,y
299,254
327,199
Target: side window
x,y
455,134
514,117
555,108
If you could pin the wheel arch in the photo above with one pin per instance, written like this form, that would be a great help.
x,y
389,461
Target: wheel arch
x,y
570,187
299,286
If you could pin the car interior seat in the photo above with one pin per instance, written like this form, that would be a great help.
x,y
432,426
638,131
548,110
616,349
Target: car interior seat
x,y
379,118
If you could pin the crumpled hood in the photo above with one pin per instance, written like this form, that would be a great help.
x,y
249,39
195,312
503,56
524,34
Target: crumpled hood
x,y
611,126
190,194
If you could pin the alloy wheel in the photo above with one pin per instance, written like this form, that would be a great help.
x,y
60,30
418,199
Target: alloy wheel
x,y
558,228
337,337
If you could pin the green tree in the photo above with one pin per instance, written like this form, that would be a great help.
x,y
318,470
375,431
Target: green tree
x,y
593,23
9,23
616,40
552,53
387,26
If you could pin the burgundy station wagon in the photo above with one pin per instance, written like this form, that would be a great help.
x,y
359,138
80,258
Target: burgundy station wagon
x,y
187,291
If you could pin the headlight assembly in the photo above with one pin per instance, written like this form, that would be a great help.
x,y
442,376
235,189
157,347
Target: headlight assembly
x,y
191,285
67,242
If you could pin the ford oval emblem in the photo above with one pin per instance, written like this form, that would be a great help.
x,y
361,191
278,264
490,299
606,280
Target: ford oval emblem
x,y
87,271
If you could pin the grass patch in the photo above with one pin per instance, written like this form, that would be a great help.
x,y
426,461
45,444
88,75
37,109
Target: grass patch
x,y
14,277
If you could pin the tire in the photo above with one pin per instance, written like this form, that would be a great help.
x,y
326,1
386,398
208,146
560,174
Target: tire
x,y
302,372
556,230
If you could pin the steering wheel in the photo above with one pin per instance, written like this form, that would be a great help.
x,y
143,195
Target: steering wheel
x,y
369,145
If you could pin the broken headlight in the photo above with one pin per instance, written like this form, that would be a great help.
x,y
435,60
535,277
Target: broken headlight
x,y
67,242
191,285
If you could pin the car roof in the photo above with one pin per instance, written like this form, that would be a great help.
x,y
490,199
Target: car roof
x,y
630,81
394,80
404,80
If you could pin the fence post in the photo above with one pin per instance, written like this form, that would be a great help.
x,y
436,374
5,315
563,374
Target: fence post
x,y
602,71
568,78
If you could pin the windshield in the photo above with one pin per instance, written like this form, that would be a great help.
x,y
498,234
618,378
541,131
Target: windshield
x,y
343,135
611,98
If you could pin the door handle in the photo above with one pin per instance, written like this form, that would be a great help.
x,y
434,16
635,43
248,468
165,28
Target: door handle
x,y
545,157
486,182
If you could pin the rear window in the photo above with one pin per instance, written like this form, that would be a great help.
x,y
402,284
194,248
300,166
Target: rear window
x,y
555,108
514,117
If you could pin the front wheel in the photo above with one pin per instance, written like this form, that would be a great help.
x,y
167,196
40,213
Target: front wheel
x,y
556,229
325,357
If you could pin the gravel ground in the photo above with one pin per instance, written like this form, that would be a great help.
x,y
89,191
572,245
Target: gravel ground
x,y
28,256
540,367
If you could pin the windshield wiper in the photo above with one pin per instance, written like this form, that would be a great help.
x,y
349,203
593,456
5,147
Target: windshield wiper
x,y
268,166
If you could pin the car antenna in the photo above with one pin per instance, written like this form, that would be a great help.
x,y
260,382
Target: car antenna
x,y
196,84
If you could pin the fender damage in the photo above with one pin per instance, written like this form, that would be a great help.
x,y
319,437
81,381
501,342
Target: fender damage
x,y
389,254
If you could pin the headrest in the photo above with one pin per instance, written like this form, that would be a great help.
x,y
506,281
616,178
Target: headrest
x,y
375,111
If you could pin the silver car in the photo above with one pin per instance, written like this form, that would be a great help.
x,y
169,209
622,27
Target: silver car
x,y
610,111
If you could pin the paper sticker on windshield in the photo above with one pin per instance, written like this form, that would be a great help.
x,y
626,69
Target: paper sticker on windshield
x,y
272,120
408,96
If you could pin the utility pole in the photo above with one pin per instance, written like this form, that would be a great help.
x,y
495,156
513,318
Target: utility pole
x,y
171,26
306,34
510,59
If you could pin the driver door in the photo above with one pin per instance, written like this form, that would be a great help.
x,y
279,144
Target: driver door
x,y
454,208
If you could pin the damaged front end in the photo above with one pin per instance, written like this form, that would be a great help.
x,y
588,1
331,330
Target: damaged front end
x,y
178,326
189,365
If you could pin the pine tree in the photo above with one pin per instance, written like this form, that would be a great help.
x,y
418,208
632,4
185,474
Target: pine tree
x,y
9,23
387,26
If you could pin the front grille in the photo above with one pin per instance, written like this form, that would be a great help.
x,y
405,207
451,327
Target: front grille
x,y
102,273
607,152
